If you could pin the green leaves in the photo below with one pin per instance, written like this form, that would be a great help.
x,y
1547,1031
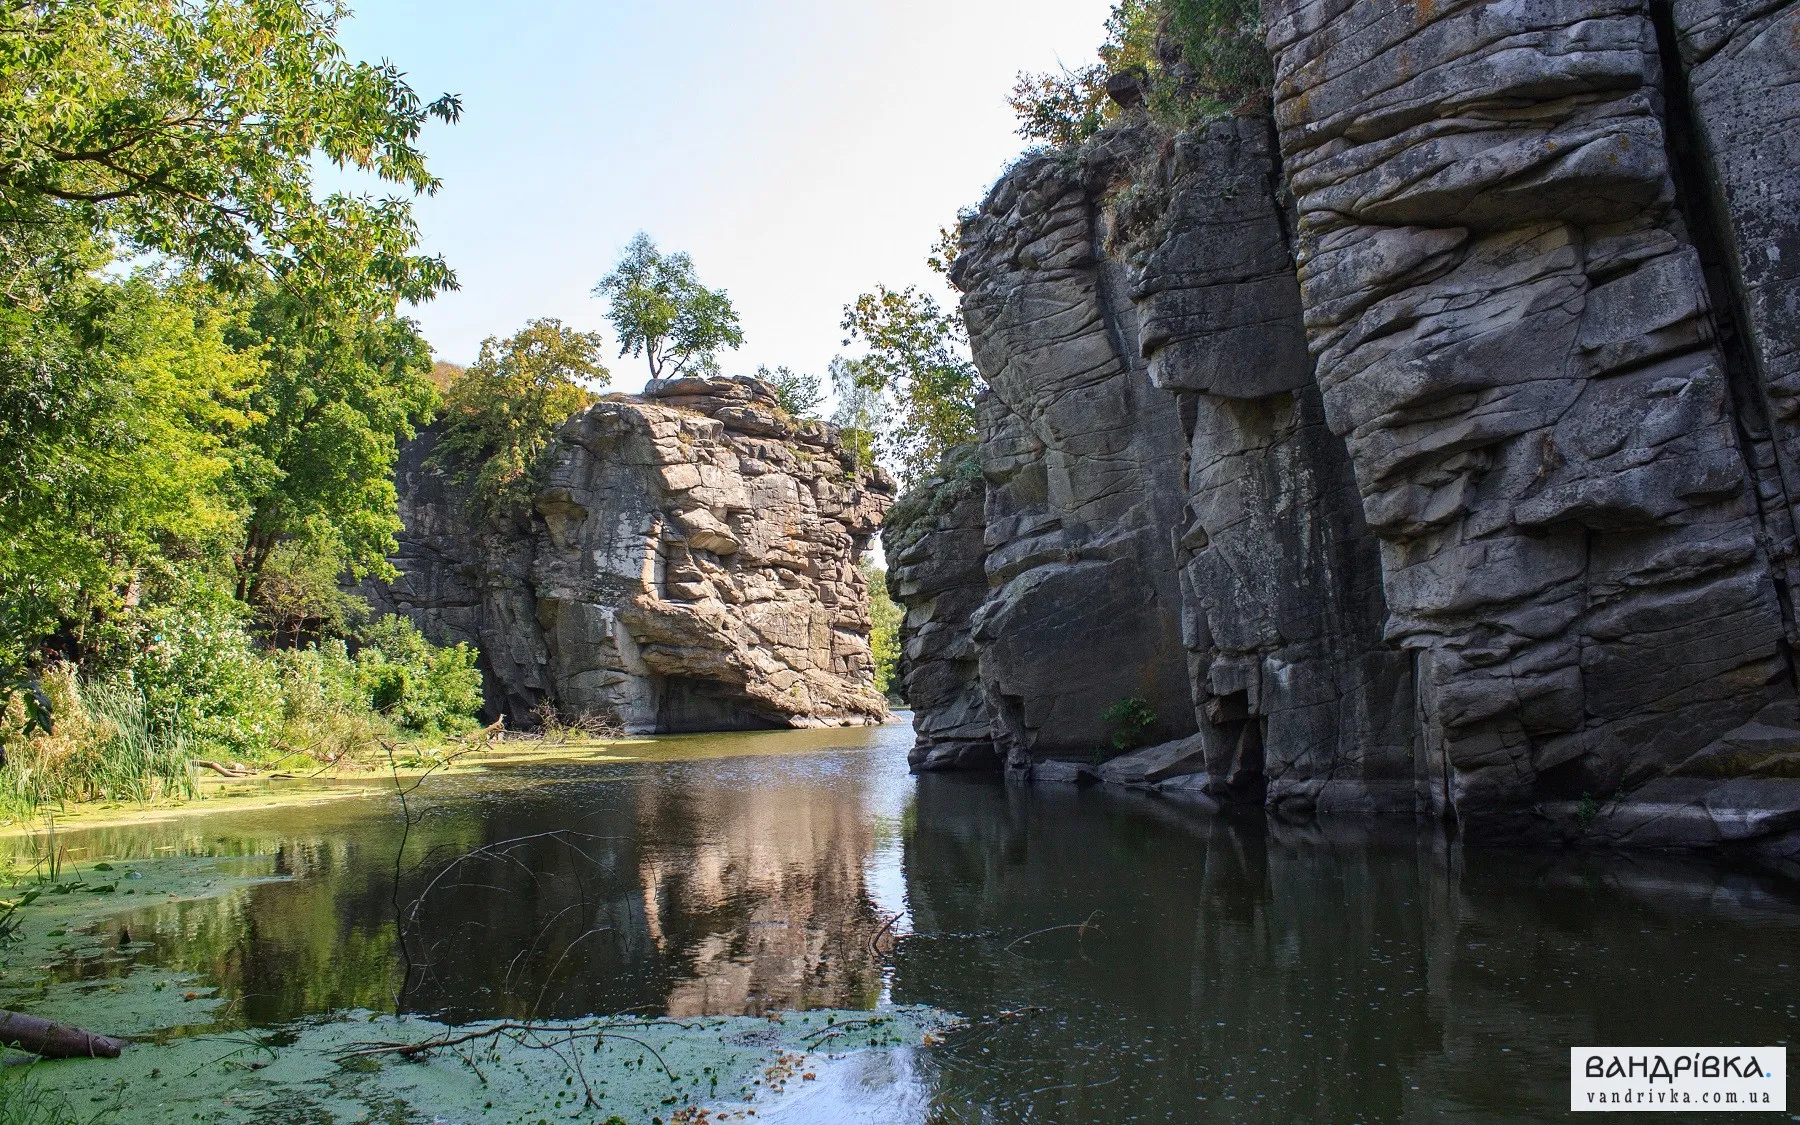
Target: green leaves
x,y
914,360
798,394
659,310
501,413
188,128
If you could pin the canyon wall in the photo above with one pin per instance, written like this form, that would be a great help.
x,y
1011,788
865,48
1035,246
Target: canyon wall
x,y
1460,393
689,562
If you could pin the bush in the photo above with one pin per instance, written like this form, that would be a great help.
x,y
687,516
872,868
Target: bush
x,y
199,690
1130,720
417,685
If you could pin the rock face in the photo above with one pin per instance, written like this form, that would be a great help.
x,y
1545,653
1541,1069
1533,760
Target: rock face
x,y
1478,366
690,563
1515,338
1082,461
933,544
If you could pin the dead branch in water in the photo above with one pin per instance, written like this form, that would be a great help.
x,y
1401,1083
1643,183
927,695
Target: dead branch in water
x,y
1081,927
55,1040
235,769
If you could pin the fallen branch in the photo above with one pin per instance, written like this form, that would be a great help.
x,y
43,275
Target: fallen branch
x,y
232,770
55,1040
1082,927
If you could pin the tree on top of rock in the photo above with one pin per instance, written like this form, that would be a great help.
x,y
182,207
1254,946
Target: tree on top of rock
x,y
661,311
502,412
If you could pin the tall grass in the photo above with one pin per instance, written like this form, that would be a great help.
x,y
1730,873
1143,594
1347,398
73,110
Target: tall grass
x,y
105,747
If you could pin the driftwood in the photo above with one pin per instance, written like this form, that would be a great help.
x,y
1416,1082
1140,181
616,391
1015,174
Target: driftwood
x,y
54,1040
232,770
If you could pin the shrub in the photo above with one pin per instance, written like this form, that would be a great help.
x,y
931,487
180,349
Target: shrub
x,y
1130,720
417,685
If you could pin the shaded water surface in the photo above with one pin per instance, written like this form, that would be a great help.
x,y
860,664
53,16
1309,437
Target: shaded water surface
x,y
1117,956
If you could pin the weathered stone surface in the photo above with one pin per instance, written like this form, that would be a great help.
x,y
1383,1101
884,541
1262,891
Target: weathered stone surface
x,y
932,540
1514,337
690,564
1082,459
1734,107
1296,693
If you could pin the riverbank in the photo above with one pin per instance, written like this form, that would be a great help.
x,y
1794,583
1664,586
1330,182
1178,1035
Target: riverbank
x,y
276,789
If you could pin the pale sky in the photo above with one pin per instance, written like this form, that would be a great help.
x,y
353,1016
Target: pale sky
x,y
800,150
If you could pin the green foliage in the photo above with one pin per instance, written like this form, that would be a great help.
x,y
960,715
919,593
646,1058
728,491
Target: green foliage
x,y
1586,811
884,629
165,432
862,412
501,413
914,360
1069,107
1198,58
1130,720
660,311
418,685
343,386
122,410
191,130
299,597
800,395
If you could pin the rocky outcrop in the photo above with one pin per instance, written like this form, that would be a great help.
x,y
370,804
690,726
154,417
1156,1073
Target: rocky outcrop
x,y
1300,701
933,543
1475,362
689,563
1082,462
1515,338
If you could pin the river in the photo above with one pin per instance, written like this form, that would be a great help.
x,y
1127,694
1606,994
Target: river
x,y
1116,956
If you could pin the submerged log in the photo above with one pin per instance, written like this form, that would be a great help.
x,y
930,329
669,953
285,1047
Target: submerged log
x,y
54,1040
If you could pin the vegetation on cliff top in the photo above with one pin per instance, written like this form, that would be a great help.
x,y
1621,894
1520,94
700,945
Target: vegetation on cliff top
x,y
500,413
1193,59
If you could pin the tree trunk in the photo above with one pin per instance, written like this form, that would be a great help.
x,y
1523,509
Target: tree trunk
x,y
55,1040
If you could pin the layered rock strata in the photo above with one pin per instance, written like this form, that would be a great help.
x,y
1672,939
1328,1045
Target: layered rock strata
x,y
1514,336
689,563
1082,462
1478,360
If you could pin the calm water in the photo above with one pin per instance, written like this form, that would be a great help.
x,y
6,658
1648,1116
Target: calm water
x,y
1119,957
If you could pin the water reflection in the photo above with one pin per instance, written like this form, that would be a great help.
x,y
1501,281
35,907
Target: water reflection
x,y
1243,970
1119,956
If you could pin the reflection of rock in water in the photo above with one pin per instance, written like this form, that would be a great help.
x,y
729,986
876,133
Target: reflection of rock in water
x,y
1320,973
694,899
756,896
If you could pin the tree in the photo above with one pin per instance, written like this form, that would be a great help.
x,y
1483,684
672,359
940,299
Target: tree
x,y
344,384
915,359
660,310
884,629
189,128
862,413
121,406
503,411
798,394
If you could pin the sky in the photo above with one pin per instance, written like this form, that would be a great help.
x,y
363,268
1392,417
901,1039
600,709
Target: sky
x,y
801,151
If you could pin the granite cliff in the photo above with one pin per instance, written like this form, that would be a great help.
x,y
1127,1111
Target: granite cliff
x,y
689,562
1425,443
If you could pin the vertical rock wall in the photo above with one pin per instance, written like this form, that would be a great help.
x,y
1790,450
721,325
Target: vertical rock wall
x,y
1477,366
1300,702
690,563
1082,459
1514,336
